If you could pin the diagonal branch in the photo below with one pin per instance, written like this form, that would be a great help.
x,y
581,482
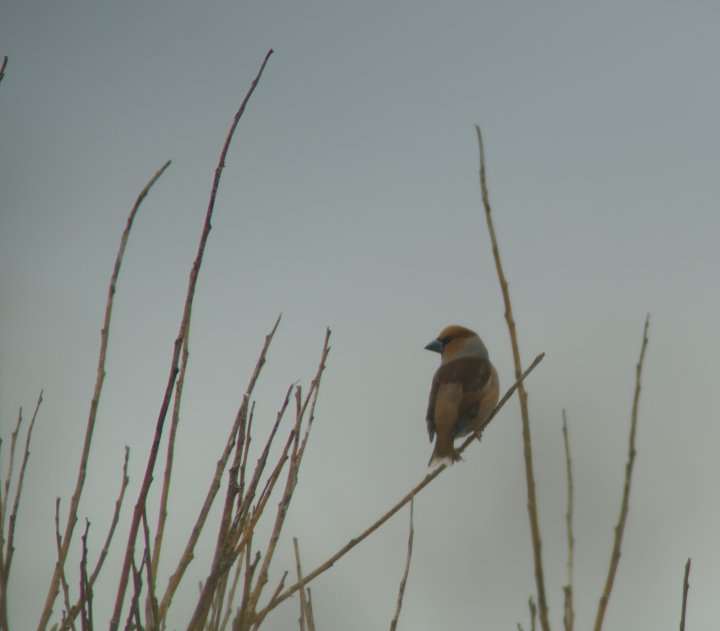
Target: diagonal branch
x,y
522,397
280,597
625,505
92,416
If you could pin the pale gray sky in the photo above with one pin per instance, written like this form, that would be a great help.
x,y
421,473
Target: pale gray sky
x,y
351,199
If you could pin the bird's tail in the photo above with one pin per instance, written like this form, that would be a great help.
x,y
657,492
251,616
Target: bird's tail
x,y
444,452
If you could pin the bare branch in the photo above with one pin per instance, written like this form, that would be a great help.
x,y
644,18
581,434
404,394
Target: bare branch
x,y
686,587
9,547
11,467
625,505
86,618
569,616
77,608
522,397
58,543
305,614
235,432
231,596
403,582
92,416
151,609
274,602
179,342
115,517
2,67
533,613
241,529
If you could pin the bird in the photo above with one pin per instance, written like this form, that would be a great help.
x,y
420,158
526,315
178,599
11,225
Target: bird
x,y
464,390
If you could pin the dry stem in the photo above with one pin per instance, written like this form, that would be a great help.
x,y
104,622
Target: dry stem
x,y
77,608
686,587
179,342
522,397
58,544
403,582
7,547
85,586
8,478
620,527
90,427
306,615
533,613
569,616
232,440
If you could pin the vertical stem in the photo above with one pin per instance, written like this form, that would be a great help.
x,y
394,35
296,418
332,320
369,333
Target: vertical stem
x,y
522,396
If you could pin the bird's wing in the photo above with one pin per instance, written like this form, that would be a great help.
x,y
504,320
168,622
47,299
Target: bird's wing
x,y
476,377
461,384
430,417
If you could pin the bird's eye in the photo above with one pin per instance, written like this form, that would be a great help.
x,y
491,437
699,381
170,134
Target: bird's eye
x,y
445,339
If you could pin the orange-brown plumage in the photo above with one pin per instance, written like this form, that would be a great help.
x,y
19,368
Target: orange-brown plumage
x,y
464,390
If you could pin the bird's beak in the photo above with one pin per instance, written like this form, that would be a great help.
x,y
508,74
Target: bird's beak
x,y
435,345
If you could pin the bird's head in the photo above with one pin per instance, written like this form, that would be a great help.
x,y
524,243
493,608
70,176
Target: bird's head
x,y
457,341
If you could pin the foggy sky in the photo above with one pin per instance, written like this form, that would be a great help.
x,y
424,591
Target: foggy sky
x,y
351,200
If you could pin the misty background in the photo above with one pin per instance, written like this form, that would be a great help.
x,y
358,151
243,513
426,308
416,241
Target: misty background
x,y
351,200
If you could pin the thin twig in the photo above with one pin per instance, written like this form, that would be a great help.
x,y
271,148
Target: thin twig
x,y
58,544
77,607
303,620
231,595
569,616
4,577
403,582
134,612
9,544
274,602
2,67
116,515
180,340
311,613
620,527
522,397
92,416
188,553
296,460
686,587
151,603
86,618
11,467
230,545
169,458
533,613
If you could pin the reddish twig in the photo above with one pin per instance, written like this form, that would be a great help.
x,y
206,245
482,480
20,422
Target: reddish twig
x,y
179,341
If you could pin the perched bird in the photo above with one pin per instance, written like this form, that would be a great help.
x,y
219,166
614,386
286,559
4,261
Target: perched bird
x,y
464,390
